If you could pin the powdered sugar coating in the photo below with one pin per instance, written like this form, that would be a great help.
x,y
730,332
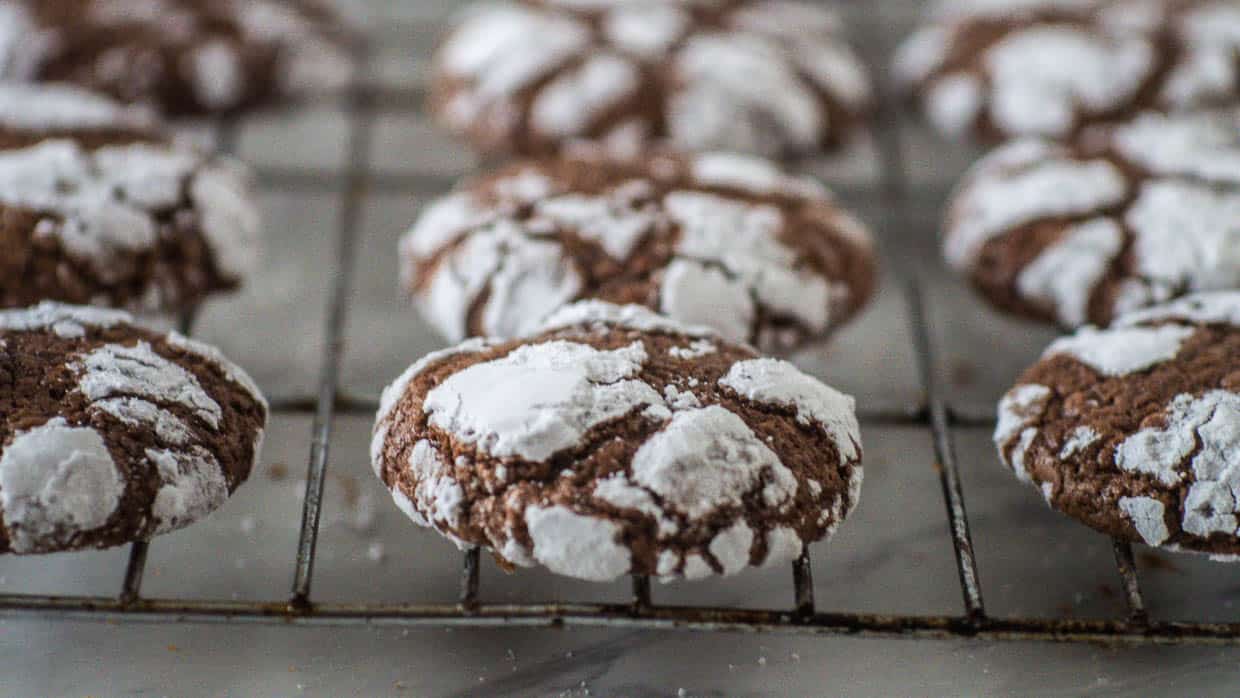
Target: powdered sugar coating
x,y
577,546
193,487
1218,307
1125,217
1147,515
539,399
706,459
134,446
105,194
723,240
998,196
1004,68
1149,444
57,107
633,317
1204,144
763,76
56,482
699,484
1041,77
1066,273
185,56
1121,351
64,320
780,383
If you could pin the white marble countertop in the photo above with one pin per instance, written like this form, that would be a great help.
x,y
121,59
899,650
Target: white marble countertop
x,y
894,556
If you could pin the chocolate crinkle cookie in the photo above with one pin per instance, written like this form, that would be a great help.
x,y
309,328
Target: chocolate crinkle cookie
x,y
1127,216
183,56
770,77
1002,68
96,207
724,240
111,433
617,441
1135,430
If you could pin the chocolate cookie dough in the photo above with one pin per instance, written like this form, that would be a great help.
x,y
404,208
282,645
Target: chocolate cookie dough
x,y
111,433
1003,68
96,207
1135,430
183,56
769,77
724,240
617,441
1127,216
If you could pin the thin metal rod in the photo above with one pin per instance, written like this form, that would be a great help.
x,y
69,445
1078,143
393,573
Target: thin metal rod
x,y
641,591
470,572
333,350
945,453
895,187
131,587
227,133
103,609
1127,567
803,584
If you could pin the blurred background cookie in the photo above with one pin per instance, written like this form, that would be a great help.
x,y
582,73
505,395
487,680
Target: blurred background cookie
x,y
616,441
763,76
1128,215
724,240
1135,430
183,56
111,433
97,207
1002,68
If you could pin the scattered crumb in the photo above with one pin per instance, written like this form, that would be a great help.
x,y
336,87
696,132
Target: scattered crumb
x,y
375,552
963,373
248,524
277,471
1158,563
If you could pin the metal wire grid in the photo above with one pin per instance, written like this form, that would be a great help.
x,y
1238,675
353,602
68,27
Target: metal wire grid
x,y
299,608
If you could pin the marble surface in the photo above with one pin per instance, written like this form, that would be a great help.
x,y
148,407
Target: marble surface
x,y
893,556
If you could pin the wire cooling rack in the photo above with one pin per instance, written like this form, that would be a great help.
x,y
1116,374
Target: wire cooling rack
x,y
931,413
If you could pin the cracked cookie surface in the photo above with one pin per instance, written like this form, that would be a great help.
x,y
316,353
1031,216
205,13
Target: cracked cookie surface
x,y
111,433
616,441
719,239
183,56
1126,216
775,78
97,207
1003,68
1135,430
